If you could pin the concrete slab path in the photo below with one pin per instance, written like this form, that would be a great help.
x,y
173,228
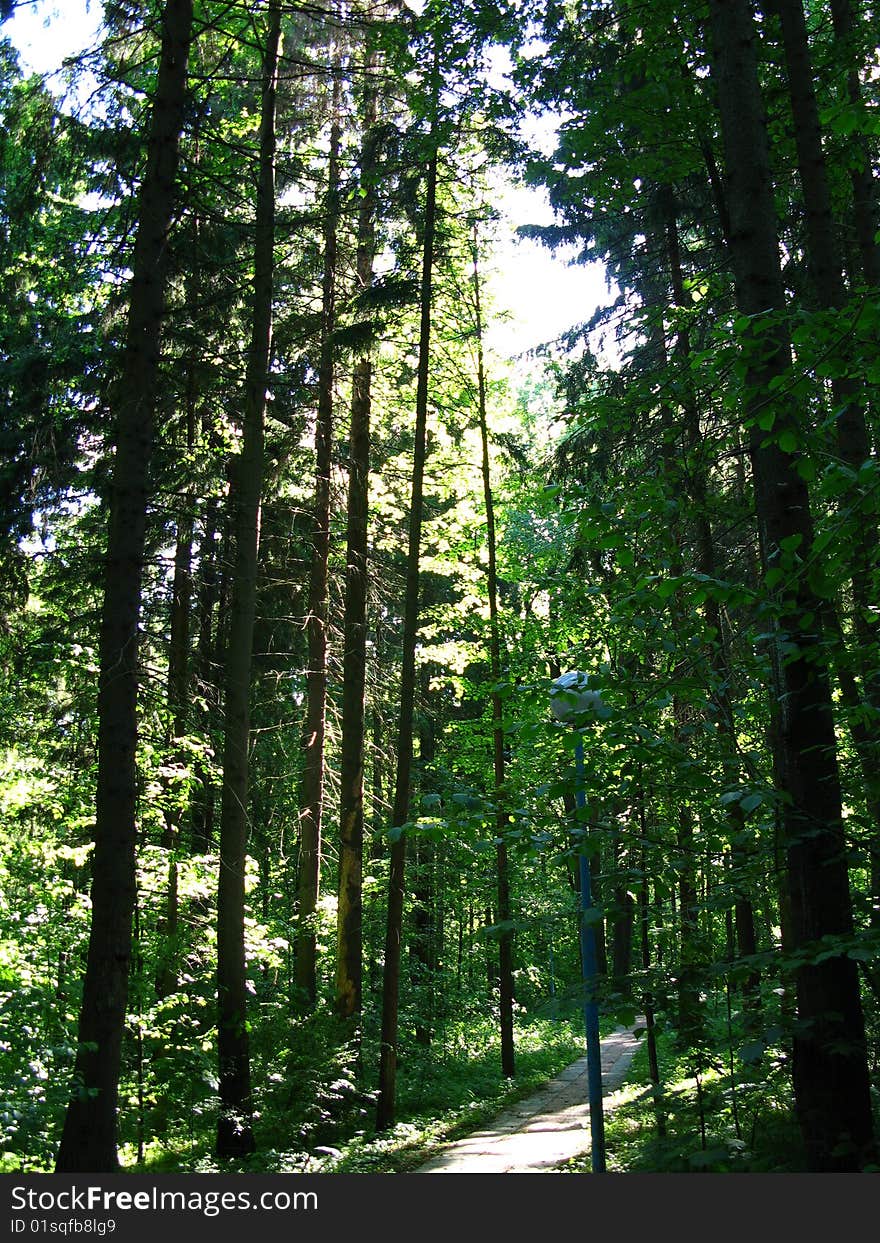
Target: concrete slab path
x,y
539,1133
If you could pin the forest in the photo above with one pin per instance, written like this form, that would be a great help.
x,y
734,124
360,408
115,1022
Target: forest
x,y
293,557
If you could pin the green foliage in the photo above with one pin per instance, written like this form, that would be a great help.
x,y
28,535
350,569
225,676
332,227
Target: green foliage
x,y
457,1090
626,547
748,1126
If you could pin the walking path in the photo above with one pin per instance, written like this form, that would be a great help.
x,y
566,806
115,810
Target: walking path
x,y
538,1134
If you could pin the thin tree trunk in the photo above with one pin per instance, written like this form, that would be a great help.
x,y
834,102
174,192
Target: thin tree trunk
x,y
234,1134
312,796
690,1008
88,1140
349,951
864,746
204,675
400,813
830,1065
505,939
644,903
864,186
424,889
622,927
178,700
719,656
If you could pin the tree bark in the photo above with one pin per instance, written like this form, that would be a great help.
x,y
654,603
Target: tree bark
x,y
424,888
204,675
400,813
718,653
864,186
88,1140
825,263
349,951
505,940
234,1133
830,1066
312,795
644,906
178,699
623,923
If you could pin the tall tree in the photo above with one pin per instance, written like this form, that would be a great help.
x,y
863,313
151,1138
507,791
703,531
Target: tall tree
x,y
88,1140
349,951
400,811
234,1123
178,689
312,796
825,263
505,940
864,184
830,1067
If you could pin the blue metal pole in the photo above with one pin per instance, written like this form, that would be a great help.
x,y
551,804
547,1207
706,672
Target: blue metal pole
x,y
590,976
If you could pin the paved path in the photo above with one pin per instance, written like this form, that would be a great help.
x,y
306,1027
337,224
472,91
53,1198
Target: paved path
x,y
538,1134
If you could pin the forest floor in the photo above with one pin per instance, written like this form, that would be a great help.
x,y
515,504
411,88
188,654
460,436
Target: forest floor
x,y
540,1133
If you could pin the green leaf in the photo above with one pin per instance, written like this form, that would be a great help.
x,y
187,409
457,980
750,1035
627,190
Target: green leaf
x,y
766,419
820,582
806,468
774,576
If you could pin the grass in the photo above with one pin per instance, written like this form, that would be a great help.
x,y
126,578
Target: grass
x,y
443,1093
724,1114
714,1123
443,1100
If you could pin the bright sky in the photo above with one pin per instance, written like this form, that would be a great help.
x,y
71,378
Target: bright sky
x,y
46,31
543,294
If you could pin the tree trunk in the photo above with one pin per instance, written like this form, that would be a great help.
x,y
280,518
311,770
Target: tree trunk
x,y
312,796
689,1011
864,186
644,903
830,1065
204,675
234,1134
865,748
88,1140
853,441
690,1008
424,887
349,951
505,940
718,653
400,813
178,700
622,927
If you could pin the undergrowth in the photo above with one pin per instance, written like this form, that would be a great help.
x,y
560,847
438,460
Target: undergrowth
x,y
715,1120
314,1114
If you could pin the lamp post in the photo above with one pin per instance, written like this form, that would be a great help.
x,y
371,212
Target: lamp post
x,y
573,703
